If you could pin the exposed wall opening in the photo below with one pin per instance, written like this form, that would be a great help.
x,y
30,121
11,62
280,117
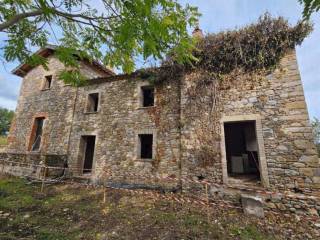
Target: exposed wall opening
x,y
145,146
36,134
93,102
147,96
88,146
242,152
47,82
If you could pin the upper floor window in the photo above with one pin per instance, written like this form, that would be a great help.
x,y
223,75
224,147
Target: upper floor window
x,y
92,102
147,96
47,82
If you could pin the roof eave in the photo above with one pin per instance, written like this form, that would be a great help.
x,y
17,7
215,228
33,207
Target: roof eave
x,y
24,68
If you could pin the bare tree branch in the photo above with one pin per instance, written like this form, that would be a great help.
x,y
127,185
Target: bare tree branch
x,y
73,17
17,18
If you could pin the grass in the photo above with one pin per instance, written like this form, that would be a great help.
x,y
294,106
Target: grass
x,y
3,141
73,212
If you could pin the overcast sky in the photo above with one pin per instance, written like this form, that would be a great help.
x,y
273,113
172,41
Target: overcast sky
x,y
219,15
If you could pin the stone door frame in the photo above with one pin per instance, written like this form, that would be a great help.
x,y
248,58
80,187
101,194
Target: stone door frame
x,y
81,153
259,134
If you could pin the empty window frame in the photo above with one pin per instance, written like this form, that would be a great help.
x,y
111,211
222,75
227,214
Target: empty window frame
x,y
147,96
242,150
36,135
92,102
47,82
145,146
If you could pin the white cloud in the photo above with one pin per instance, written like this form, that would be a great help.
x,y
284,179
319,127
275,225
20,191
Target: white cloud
x,y
7,103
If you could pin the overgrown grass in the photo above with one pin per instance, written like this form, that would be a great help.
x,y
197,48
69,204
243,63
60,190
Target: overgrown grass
x,y
73,212
3,140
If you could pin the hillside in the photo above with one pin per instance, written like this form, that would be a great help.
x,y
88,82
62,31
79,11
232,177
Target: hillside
x,y
65,211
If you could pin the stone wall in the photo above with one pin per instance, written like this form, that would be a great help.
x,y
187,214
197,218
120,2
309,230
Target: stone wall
x,y
277,101
30,165
278,202
182,144
55,104
116,125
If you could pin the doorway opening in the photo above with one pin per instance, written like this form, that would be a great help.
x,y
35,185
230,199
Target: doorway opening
x,y
242,151
36,135
88,144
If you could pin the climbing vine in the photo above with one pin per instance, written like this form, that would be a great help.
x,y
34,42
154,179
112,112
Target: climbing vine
x,y
259,46
246,54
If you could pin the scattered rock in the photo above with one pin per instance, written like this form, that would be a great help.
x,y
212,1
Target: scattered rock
x,y
252,205
6,214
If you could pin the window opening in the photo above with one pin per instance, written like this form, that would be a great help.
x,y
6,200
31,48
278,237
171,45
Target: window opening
x,y
48,82
93,102
146,144
147,96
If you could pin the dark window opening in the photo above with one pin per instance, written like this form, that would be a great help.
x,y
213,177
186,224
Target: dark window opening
x,y
48,82
89,145
37,134
147,96
146,142
242,150
93,102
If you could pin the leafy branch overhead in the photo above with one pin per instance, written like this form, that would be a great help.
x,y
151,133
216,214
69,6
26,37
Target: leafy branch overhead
x,y
116,32
309,7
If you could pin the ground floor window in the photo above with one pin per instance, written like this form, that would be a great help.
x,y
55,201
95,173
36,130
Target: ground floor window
x,y
242,152
145,146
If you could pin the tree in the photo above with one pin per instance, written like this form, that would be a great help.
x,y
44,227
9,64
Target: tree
x,y
309,7
316,131
116,32
5,120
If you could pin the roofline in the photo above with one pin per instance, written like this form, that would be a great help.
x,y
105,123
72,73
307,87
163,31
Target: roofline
x,y
48,50
139,73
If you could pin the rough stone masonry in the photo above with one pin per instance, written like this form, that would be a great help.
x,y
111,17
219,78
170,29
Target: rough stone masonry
x,y
122,130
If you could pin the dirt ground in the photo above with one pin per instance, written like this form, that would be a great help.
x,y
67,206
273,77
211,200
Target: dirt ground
x,y
65,211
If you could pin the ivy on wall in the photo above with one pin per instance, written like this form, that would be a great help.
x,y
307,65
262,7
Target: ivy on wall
x,y
246,54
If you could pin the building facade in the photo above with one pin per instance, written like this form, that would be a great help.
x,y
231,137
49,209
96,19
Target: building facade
x,y
120,129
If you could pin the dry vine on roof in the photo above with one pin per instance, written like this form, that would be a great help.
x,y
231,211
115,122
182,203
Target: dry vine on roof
x,y
259,46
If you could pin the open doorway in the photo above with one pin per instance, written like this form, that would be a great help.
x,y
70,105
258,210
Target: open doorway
x,y
88,146
242,152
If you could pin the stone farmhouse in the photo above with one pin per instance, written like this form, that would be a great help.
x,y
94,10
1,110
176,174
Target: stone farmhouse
x,y
121,129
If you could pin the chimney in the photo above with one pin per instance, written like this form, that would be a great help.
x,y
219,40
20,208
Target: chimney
x,y
197,32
